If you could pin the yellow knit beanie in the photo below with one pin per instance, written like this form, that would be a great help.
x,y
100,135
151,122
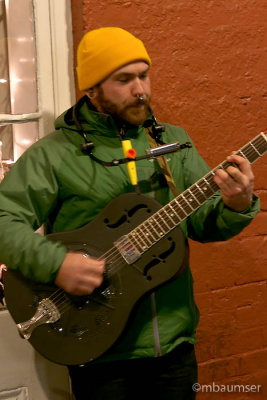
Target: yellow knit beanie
x,y
104,50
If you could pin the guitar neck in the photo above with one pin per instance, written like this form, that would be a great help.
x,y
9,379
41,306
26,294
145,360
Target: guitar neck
x,y
173,213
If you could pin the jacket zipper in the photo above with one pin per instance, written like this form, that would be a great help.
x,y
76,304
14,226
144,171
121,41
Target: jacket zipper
x,y
154,311
155,326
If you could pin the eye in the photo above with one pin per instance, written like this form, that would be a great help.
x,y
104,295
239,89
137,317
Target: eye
x,y
124,80
143,76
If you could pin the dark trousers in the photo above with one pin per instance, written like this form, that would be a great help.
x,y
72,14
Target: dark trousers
x,y
169,377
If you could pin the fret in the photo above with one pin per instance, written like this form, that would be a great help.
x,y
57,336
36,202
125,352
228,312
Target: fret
x,y
180,209
205,187
196,199
263,138
152,227
170,216
212,174
250,152
223,165
141,237
206,180
164,221
227,164
145,234
133,237
147,231
243,155
254,148
173,214
259,145
201,192
198,195
193,202
136,240
161,231
187,202
161,220
159,224
213,186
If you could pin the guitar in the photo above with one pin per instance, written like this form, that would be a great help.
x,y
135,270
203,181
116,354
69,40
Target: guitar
x,y
143,247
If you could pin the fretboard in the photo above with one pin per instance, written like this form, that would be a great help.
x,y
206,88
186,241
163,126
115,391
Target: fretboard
x,y
172,214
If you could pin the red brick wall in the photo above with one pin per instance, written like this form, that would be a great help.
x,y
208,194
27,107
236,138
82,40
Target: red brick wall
x,y
209,76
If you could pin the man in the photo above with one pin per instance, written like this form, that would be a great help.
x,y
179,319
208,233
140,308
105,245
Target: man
x,y
58,184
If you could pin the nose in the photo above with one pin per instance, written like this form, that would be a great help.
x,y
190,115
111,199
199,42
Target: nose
x,y
138,88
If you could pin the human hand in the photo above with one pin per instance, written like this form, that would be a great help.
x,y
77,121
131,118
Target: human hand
x,y
236,184
79,274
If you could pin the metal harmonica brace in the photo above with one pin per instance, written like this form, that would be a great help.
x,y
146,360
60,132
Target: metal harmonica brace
x,y
166,148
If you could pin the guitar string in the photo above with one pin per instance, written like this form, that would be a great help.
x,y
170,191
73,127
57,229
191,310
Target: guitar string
x,y
58,291
249,151
65,304
194,190
175,206
158,218
59,295
62,302
188,200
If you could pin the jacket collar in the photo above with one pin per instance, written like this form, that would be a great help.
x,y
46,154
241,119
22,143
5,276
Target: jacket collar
x,y
102,124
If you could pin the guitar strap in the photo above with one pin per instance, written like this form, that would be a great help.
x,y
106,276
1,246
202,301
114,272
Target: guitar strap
x,y
168,175
163,165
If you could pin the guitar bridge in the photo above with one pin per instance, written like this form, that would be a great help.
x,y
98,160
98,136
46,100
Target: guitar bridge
x,y
46,313
128,251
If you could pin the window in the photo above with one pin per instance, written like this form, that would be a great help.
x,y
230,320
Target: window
x,y
36,79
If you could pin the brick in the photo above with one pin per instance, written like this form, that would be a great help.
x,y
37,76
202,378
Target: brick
x,y
260,175
245,340
215,91
230,311
263,198
256,227
228,339
248,316
228,264
253,260
228,299
223,369
246,295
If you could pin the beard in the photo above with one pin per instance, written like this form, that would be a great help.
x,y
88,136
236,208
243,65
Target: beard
x,y
135,113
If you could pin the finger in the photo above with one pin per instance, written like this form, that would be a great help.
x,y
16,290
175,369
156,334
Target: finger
x,y
222,177
242,163
93,283
93,260
237,176
95,264
86,284
240,172
227,184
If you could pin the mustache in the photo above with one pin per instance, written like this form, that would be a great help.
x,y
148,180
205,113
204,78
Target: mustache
x,y
138,102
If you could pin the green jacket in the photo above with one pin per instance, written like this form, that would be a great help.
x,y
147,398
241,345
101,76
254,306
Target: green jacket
x,y
55,183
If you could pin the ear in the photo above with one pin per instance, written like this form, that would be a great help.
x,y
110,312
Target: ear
x,y
90,93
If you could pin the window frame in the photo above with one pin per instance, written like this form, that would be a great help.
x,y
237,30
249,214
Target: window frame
x,y
54,64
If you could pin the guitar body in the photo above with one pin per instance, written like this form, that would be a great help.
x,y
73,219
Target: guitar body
x,y
143,248
89,325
